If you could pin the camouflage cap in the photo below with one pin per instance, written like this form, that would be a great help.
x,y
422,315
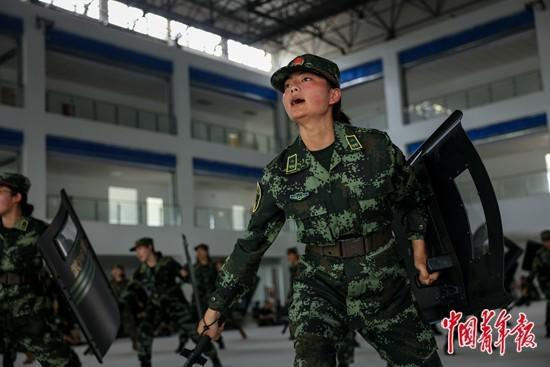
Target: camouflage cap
x,y
144,241
15,181
307,63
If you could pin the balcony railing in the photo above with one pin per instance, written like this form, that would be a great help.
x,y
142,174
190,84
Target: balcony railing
x,y
227,219
11,93
231,136
442,106
119,212
108,112
513,186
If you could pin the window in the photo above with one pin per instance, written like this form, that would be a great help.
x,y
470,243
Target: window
x,y
238,217
155,212
123,205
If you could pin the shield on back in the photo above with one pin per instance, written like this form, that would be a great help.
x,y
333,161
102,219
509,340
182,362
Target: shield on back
x,y
77,272
464,238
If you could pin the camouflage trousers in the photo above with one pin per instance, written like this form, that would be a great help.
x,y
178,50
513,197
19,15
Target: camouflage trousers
x,y
370,294
34,335
175,311
545,288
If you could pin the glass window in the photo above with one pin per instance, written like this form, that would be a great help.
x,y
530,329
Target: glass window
x,y
155,212
469,77
123,205
232,120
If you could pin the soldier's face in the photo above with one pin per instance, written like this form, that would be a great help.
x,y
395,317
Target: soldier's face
x,y
308,95
143,253
202,254
546,244
8,200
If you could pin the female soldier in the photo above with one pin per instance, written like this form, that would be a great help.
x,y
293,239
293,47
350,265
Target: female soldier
x,y
25,307
339,183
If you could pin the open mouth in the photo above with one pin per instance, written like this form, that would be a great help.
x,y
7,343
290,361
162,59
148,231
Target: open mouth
x,y
296,101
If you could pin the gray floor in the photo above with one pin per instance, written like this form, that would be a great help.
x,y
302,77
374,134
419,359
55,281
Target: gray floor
x,y
266,347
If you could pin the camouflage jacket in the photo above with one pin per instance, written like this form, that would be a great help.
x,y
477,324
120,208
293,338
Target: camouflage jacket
x,y
368,178
19,254
161,281
541,266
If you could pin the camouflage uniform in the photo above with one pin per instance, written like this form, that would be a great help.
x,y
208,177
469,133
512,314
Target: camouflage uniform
x,y
367,178
25,307
128,320
206,276
166,302
541,269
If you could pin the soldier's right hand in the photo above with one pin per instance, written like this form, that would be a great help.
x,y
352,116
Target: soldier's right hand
x,y
210,319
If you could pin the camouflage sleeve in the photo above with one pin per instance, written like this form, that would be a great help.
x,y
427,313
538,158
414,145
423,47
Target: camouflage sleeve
x,y
239,270
537,264
407,196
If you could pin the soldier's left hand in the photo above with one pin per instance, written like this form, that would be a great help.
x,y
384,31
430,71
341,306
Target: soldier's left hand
x,y
425,277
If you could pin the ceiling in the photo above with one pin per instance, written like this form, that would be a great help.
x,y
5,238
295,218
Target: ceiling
x,y
325,27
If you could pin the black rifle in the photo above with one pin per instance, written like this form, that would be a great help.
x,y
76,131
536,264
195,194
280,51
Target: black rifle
x,y
194,356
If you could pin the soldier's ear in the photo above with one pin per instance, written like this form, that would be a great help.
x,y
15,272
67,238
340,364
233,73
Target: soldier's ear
x,y
17,197
335,96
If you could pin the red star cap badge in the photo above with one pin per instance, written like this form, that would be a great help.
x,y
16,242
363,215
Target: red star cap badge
x,y
298,61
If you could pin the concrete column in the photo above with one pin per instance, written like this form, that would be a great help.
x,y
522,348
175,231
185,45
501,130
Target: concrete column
x,y
34,64
542,24
33,159
394,92
181,95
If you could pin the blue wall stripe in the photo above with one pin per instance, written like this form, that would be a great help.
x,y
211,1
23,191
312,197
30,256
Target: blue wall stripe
x,y
64,41
361,73
509,24
239,86
11,138
216,168
11,24
102,151
494,130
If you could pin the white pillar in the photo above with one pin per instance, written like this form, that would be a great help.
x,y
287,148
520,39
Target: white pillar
x,y
181,95
34,166
34,65
542,24
393,91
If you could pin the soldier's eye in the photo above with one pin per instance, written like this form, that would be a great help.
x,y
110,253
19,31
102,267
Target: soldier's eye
x,y
307,78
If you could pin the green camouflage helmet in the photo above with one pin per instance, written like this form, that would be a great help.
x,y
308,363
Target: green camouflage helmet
x,y
16,182
307,63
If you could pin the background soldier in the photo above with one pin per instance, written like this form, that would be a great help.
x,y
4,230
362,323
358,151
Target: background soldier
x,y
119,284
25,307
541,270
157,274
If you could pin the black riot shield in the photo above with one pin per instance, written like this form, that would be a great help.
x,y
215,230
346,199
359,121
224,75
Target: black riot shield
x,y
74,266
464,235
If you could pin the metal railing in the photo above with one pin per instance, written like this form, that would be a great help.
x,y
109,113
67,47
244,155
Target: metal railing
x,y
442,106
11,93
231,136
512,186
225,219
112,113
117,212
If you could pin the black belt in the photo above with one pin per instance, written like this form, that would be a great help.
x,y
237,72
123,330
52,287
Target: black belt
x,y
352,247
13,278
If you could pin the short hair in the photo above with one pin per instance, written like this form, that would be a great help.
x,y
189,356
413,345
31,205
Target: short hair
x,y
119,266
293,251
